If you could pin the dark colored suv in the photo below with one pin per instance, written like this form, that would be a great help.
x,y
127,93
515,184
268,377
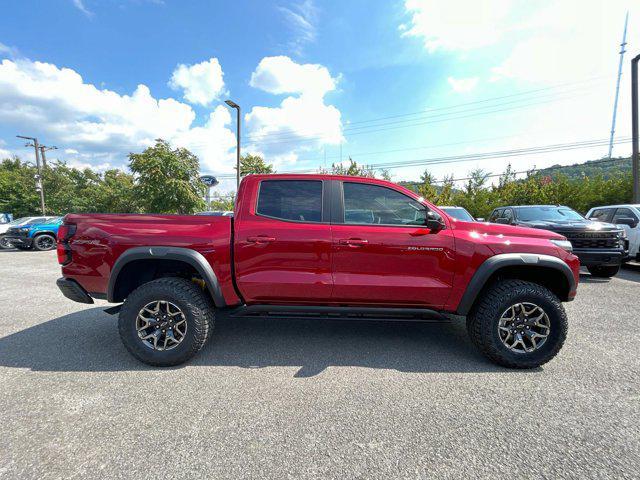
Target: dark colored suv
x,y
600,246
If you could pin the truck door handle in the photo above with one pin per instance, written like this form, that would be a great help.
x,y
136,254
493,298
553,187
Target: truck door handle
x,y
261,239
353,242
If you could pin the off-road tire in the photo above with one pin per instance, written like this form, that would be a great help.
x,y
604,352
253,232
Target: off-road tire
x,y
4,243
196,306
40,242
604,272
482,322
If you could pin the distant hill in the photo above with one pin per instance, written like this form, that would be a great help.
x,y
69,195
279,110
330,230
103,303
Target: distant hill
x,y
604,167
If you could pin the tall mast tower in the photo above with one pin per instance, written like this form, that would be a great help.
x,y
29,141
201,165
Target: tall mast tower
x,y
615,101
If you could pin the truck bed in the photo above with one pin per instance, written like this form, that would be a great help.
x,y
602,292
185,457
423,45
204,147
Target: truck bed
x,y
100,239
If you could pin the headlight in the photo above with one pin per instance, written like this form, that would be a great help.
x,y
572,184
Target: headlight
x,y
24,230
622,232
563,244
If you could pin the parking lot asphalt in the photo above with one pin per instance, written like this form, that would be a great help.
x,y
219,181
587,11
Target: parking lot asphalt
x,y
312,399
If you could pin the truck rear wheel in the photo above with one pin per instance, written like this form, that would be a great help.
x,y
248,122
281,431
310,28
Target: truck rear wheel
x,y
604,272
166,322
518,324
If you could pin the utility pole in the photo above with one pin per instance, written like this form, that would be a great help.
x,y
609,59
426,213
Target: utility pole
x,y
615,101
635,157
39,184
44,148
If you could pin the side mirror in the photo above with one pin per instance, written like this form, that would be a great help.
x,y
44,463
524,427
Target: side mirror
x,y
631,222
503,221
433,222
480,219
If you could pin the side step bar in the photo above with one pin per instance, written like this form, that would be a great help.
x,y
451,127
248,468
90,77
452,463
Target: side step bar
x,y
355,313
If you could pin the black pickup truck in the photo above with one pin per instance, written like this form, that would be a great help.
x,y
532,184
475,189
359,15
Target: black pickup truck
x,y
601,247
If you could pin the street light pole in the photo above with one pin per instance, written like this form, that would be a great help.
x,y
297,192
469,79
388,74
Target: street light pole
x,y
635,156
39,183
233,104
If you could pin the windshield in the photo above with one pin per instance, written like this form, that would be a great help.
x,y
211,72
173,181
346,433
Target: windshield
x,y
553,214
18,221
459,213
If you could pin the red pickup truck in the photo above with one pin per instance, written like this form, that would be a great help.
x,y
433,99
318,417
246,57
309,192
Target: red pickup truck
x,y
320,246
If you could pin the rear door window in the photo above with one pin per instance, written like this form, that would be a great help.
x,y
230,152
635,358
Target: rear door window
x,y
292,200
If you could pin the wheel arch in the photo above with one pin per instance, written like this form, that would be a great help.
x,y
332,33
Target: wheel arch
x,y
139,262
44,232
548,271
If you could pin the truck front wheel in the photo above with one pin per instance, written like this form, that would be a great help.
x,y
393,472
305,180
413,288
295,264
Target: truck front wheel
x,y
518,324
166,322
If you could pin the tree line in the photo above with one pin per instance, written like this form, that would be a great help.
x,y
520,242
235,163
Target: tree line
x,y
163,179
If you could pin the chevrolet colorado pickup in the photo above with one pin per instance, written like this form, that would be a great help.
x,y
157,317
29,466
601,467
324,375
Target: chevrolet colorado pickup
x,y
320,246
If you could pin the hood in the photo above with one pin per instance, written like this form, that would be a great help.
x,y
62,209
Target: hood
x,y
486,228
569,225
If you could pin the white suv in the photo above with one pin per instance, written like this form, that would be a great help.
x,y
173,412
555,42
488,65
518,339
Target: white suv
x,y
627,216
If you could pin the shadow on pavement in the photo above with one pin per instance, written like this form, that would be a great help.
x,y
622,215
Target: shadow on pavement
x,y
88,341
631,274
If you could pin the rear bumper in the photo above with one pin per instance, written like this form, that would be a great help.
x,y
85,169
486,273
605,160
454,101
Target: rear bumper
x,y
22,241
73,291
593,258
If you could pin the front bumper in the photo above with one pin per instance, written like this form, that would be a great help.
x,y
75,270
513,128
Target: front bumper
x,y
73,291
597,257
22,241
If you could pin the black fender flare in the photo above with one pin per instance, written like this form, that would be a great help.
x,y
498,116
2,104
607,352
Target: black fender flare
x,y
187,255
493,264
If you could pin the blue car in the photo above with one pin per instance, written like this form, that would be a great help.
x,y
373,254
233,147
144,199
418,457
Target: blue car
x,y
39,236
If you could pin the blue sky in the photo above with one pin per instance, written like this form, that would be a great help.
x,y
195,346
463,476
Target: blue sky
x,y
385,82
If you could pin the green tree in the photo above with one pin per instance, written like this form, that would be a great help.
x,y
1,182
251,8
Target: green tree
x,y
427,189
167,180
353,169
224,202
254,164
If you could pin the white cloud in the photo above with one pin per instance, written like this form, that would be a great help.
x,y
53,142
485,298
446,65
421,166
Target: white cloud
x,y
6,50
456,24
463,85
301,19
79,4
527,45
282,75
102,124
201,83
301,122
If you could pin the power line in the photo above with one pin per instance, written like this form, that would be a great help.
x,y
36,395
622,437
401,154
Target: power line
x,y
350,132
533,170
480,155
450,107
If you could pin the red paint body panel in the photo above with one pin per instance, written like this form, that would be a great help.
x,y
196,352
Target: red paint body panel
x,y
101,238
290,262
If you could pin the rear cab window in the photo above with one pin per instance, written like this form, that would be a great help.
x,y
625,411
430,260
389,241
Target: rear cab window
x,y
291,200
